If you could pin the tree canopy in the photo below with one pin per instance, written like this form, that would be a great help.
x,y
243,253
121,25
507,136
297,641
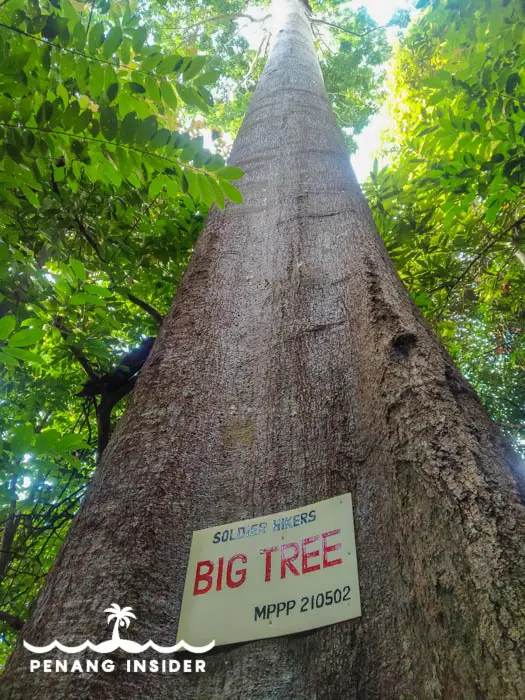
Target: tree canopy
x,y
116,121
450,203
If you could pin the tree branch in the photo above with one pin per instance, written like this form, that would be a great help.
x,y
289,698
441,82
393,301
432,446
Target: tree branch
x,y
89,57
90,15
108,402
264,42
89,238
145,306
11,526
349,31
15,622
476,259
47,130
58,323
226,17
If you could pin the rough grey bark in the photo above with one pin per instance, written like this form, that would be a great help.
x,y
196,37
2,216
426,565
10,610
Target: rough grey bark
x,y
293,367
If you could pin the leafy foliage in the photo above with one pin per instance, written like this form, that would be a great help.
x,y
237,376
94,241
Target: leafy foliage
x,y
353,50
103,195
451,205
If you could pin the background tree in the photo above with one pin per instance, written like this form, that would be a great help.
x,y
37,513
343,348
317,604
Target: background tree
x,y
294,366
451,202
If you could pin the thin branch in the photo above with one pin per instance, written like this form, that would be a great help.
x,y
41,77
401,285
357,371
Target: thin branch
x,y
11,526
146,307
134,299
323,42
15,622
90,15
349,31
138,218
225,18
90,138
74,51
108,402
89,238
256,58
58,323
476,259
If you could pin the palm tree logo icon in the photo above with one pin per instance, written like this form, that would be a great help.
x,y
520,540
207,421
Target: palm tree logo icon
x,y
122,617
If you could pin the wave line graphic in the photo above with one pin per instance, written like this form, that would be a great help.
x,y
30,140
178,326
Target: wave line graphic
x,y
123,644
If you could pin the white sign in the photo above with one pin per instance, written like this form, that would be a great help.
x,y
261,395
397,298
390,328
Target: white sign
x,y
283,573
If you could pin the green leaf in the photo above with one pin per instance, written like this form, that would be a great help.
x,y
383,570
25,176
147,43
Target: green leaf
x,y
98,290
167,65
112,41
193,183
70,443
497,109
83,298
492,211
82,121
108,123
207,78
29,336
231,192
24,355
160,139
46,441
136,88
172,185
197,63
96,37
71,114
129,127
189,95
168,95
31,322
78,269
230,173
156,186
219,195
512,82
63,94
7,326
44,112
69,11
7,108
151,62
139,38
22,439
112,92
207,192
79,37
146,130
80,299
206,96
31,196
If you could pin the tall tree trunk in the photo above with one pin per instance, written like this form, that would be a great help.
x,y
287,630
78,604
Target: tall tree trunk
x,y
293,367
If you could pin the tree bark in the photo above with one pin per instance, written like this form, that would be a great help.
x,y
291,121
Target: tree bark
x,y
293,367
